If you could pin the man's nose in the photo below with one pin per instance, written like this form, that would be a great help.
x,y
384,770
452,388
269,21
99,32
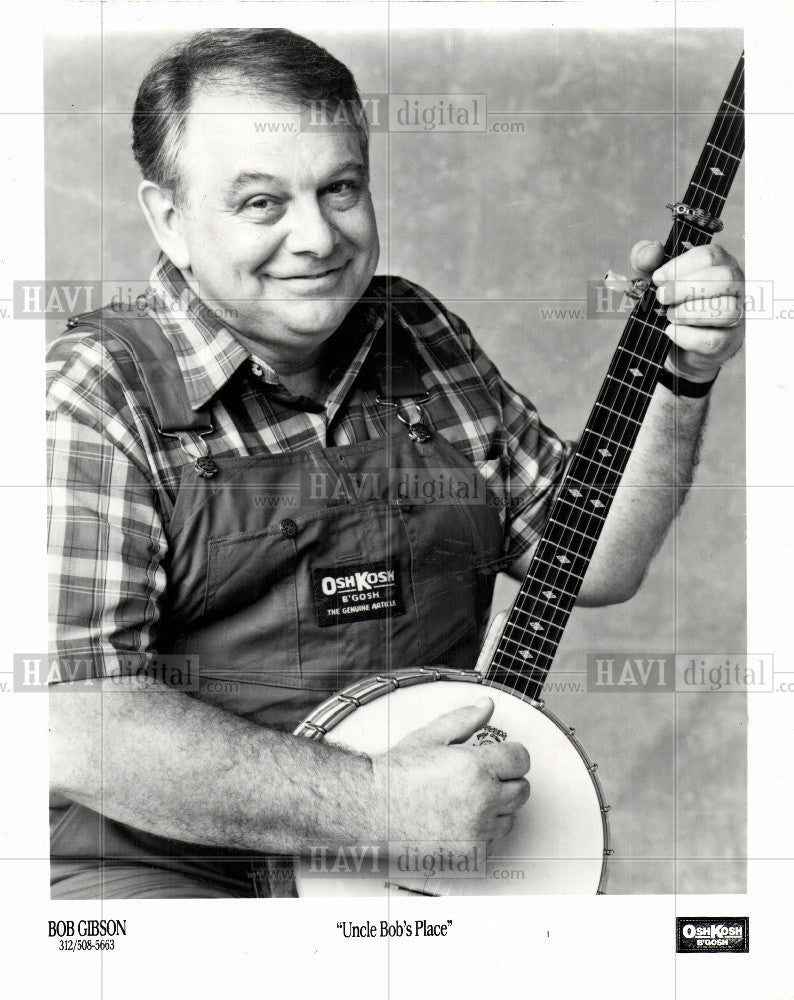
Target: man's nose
x,y
310,231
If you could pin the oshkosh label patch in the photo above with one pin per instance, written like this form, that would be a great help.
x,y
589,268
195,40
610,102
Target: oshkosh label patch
x,y
706,935
357,593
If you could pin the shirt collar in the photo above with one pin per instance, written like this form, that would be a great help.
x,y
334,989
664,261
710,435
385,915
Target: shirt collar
x,y
209,354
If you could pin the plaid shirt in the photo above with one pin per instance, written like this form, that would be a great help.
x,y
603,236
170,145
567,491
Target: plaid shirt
x,y
113,478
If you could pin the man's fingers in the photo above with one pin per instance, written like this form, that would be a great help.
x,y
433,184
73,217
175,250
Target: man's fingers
x,y
724,311
646,256
456,726
507,760
712,344
707,283
512,795
692,261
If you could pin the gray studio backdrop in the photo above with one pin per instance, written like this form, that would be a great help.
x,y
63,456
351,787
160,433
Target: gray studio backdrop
x,y
504,227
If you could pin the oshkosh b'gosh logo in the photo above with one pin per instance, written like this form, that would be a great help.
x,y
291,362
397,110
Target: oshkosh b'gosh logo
x,y
345,595
707,935
356,582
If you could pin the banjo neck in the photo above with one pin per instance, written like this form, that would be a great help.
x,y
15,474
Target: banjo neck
x,y
540,612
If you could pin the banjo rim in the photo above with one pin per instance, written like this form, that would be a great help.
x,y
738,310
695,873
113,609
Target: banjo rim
x,y
329,713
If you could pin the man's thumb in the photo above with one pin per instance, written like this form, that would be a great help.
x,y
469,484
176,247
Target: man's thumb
x,y
456,726
646,256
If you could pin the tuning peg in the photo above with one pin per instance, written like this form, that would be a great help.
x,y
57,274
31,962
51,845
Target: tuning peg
x,y
633,288
616,282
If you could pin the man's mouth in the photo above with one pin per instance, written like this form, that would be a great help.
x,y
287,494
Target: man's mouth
x,y
312,275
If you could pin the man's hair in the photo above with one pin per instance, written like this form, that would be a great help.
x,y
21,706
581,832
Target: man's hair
x,y
270,61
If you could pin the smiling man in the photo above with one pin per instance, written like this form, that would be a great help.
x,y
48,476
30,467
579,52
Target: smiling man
x,y
275,229
182,525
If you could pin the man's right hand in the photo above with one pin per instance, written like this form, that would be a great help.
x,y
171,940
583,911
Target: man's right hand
x,y
441,793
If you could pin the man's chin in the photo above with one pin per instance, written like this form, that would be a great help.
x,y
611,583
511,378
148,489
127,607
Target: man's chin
x,y
314,320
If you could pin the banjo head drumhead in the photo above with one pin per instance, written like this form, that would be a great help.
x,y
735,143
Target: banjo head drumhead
x,y
558,842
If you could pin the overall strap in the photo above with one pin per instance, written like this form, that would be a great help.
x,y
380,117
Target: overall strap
x,y
397,374
396,371
157,367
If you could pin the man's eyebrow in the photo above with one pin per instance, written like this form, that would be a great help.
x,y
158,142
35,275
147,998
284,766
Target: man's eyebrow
x,y
242,180
347,165
250,177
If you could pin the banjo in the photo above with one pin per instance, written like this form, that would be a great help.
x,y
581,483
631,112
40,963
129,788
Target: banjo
x,y
560,841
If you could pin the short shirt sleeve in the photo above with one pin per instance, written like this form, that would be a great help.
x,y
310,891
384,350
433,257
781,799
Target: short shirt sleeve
x,y
106,541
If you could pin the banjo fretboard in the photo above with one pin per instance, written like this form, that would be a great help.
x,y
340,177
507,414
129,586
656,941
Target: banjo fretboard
x,y
541,610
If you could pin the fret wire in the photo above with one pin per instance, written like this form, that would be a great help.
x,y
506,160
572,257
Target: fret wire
x,y
543,578
616,470
626,371
574,486
725,152
621,415
565,569
517,658
598,486
516,673
528,636
605,437
712,203
572,482
506,668
631,407
568,552
525,603
628,385
651,326
708,190
596,480
530,673
589,513
692,233
722,180
609,418
616,465
541,582
561,568
640,357
567,527
538,618
536,637
529,687
558,549
584,551
526,658
537,599
522,636
727,169
639,385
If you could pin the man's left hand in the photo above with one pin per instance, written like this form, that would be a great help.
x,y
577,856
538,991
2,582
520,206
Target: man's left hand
x,y
703,290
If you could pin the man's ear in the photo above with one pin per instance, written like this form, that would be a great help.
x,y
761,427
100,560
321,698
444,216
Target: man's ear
x,y
165,221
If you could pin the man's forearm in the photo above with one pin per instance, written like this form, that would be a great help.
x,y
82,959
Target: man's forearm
x,y
165,763
654,485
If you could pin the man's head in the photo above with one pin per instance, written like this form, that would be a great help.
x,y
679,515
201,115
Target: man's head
x,y
271,224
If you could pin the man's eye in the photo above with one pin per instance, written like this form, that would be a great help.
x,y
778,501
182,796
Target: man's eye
x,y
343,192
262,205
